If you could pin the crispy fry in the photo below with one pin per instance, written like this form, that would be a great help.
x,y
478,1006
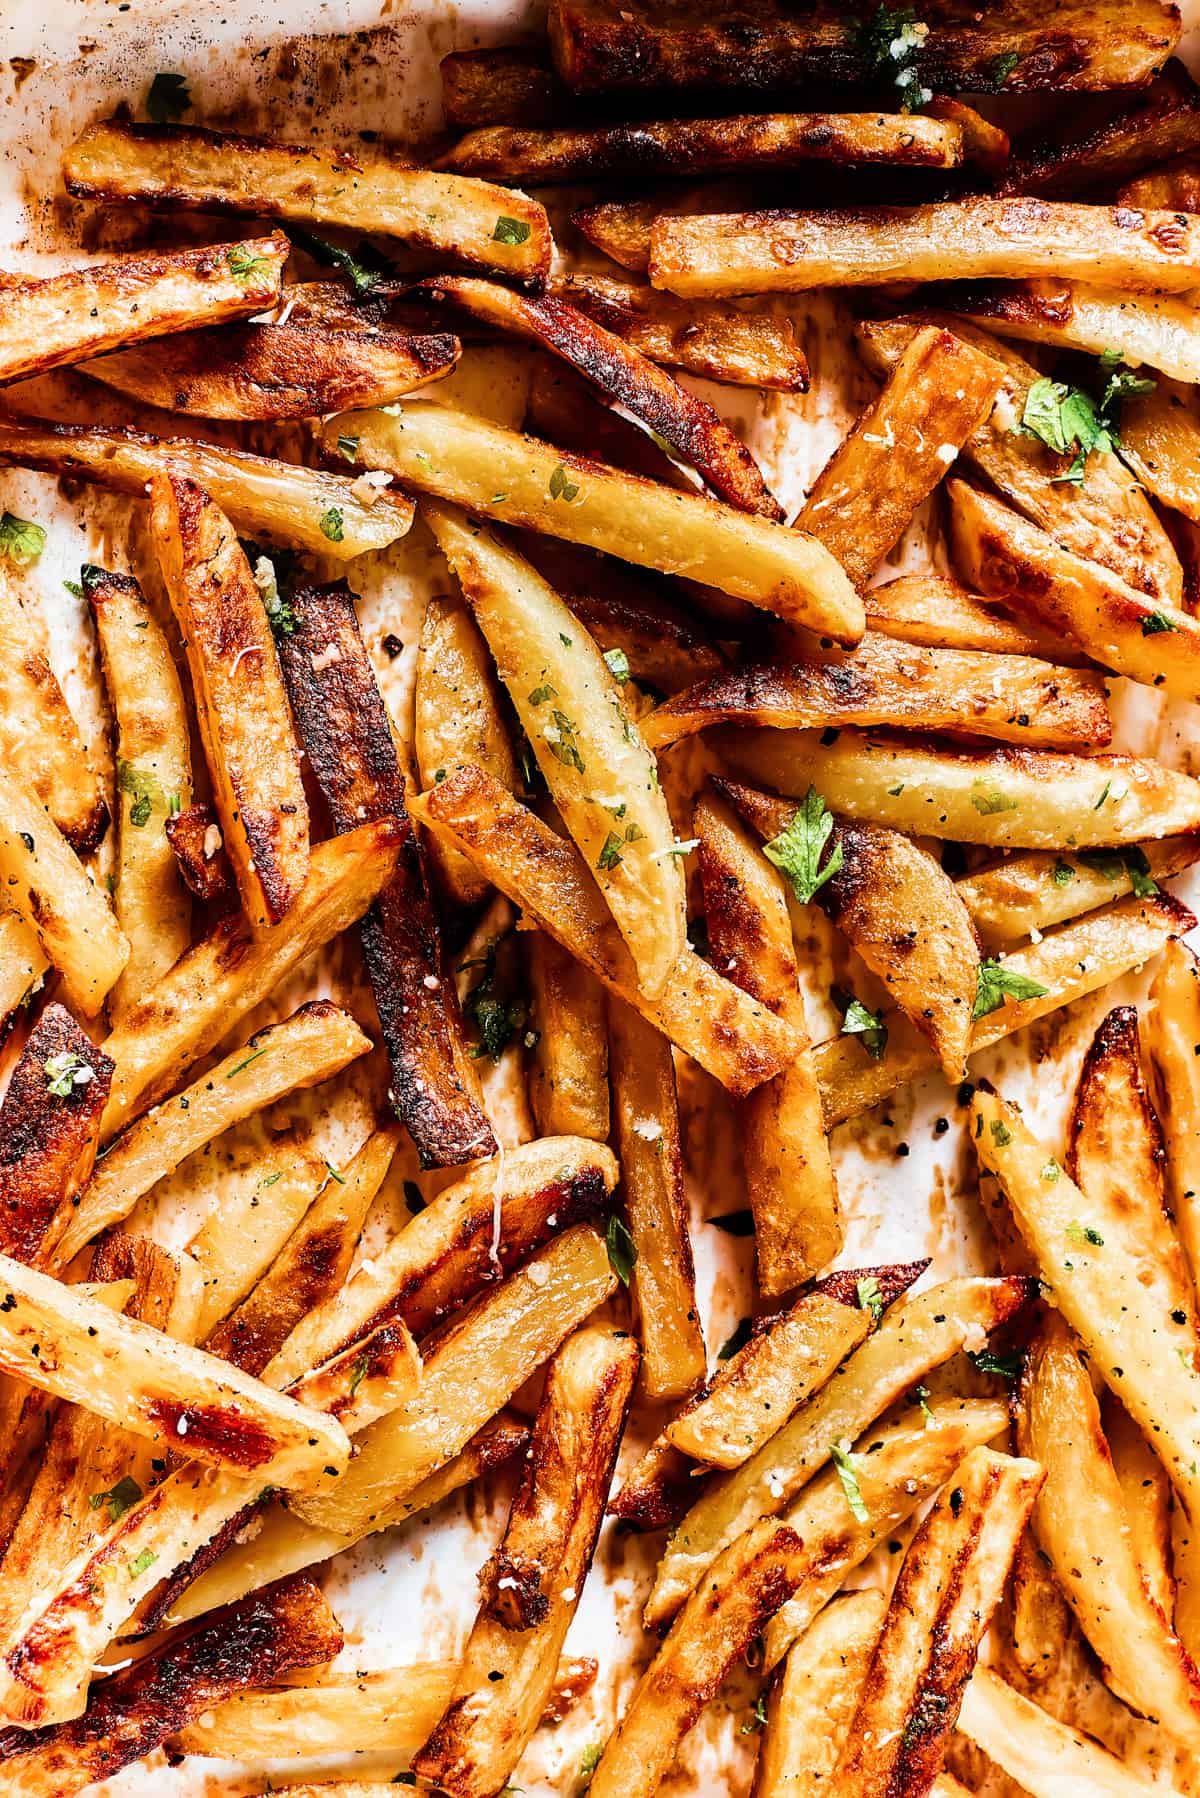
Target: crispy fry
x,y
934,612
658,1489
1038,890
621,228
1157,121
263,497
49,1131
1008,798
196,843
1009,698
84,311
238,1242
348,740
568,1072
531,1586
789,1175
1172,187
314,1043
810,1707
939,394
570,706
154,778
1146,1492
183,167
622,373
1172,1030
950,1582
738,1041
565,409
39,739
22,964
523,481
499,87
1080,1522
1160,439
1156,328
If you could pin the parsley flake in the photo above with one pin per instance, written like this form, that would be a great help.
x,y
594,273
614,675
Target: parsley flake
x,y
618,664
168,98
244,266
995,983
560,486
512,231
1005,1367
118,1499
859,1020
797,850
1157,622
331,525
622,1249
21,540
141,1562
869,1297
65,1071
843,1460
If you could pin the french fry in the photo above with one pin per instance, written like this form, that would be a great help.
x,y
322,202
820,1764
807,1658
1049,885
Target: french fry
x,y
1173,187
565,409
1039,1622
237,1243
568,1068
1097,1287
810,1707
481,1360
532,1584
136,1710
1074,961
1171,1029
738,1041
520,480
1038,890
1157,121
312,1264
939,394
570,706
722,342
314,1043
499,87
85,311
916,1336
39,739
228,972
262,497
457,717
154,779
1008,798
1081,47
1008,698
285,370
657,1491
663,1276
1160,439
1081,1523
241,708
1160,329
49,1132
933,611
1048,1758
1146,1491
196,843
785,1158
1005,556
22,963
985,144
949,1584
181,167
621,228
622,373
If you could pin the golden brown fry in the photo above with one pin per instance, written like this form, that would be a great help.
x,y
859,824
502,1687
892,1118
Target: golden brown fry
x,y
935,612
1146,1491
1160,329
939,394
950,1582
236,1245
1157,121
1160,439
568,1066
810,1707
737,1040
789,1175
181,167
22,964
39,739
621,228
195,841
154,778
49,1131
1172,1030
1048,1758
656,1492
1037,890
532,1584
85,311
499,87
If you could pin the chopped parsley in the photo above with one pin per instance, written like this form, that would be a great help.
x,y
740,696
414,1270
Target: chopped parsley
x,y
562,742
798,849
758,1716
995,983
65,1071
365,269
1063,873
988,801
734,1344
21,540
589,1760
1003,66
622,1249
561,487
118,1499
331,525
1005,1367
1157,622
843,1460
888,42
618,664
141,1562
244,266
1001,1134
348,447
1066,419
358,1374
496,1018
1128,863
1084,1233
859,1020
512,231
610,854
168,98
143,792
869,1297
245,1062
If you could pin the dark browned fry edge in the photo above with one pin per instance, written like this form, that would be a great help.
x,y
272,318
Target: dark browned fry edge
x,y
624,375
500,87
564,409
658,1501
1153,123
892,1281
1116,1036
347,737
283,1627
48,1143
208,876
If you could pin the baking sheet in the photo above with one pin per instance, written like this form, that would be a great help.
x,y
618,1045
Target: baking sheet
x,y
326,72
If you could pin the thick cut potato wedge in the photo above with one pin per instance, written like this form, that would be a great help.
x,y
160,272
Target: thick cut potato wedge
x,y
1037,890
181,167
623,374
241,707
1149,1504
237,1243
648,1145
314,1043
315,511
568,1064
812,1703
917,1335
621,228
939,394
520,480
1009,698
348,740
950,1582
49,1132
39,739
565,409
788,252
85,311
1008,798
1004,555
737,1040
1156,122
154,779
600,47
785,1157
1080,1522
600,774
935,612
47,886
532,1584
1160,439
286,370
135,1711
458,717
22,963
743,347
481,1360
228,972
1172,1031
1159,329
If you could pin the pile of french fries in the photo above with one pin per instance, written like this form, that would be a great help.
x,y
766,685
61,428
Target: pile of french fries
x,y
904,1500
